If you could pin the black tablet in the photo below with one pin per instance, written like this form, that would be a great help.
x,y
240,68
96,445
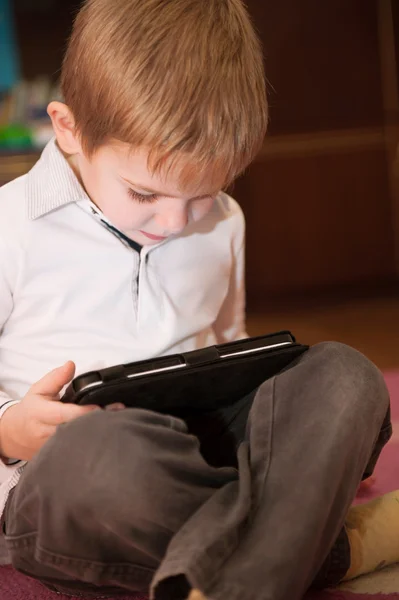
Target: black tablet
x,y
197,381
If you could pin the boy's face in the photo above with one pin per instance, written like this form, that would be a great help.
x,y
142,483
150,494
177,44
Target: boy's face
x,y
147,208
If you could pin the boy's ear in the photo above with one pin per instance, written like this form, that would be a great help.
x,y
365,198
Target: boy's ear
x,y
64,127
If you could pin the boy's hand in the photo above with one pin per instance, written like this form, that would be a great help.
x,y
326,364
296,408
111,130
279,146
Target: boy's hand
x,y
26,426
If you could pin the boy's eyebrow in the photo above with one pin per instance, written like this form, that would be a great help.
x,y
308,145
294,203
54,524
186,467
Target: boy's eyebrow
x,y
155,193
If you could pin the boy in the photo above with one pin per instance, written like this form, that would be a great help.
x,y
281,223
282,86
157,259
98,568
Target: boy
x,y
119,245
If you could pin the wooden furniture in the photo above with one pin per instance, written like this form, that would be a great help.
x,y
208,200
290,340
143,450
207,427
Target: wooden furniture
x,y
14,165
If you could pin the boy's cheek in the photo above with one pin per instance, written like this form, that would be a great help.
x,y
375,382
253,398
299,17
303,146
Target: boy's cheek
x,y
200,210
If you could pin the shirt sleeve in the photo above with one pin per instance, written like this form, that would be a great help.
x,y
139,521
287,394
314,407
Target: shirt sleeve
x,y
6,306
6,303
230,324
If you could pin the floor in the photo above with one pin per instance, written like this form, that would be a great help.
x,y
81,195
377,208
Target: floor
x,y
370,325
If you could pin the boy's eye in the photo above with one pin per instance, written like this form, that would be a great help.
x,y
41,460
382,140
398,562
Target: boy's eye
x,y
142,198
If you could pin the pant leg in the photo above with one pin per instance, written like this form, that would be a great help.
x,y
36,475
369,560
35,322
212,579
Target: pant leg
x,y
64,522
102,500
338,561
311,433
222,431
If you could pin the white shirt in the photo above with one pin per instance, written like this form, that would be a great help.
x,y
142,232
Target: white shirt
x,y
72,290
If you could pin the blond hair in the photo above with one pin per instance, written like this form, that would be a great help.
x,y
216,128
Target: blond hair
x,y
183,78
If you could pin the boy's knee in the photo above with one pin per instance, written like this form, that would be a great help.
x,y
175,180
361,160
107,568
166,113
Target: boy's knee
x,y
356,380
339,354
337,382
93,464
346,364
97,478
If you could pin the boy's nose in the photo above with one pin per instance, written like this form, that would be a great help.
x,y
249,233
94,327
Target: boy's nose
x,y
174,222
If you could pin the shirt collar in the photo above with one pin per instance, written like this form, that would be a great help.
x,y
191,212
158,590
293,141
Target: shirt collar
x,y
51,183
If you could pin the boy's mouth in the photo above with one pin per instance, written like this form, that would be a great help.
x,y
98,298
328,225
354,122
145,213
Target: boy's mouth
x,y
156,238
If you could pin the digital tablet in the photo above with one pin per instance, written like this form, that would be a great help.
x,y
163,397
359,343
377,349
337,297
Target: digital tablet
x,y
197,381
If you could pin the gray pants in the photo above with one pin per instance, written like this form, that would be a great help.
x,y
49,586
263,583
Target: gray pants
x,y
127,501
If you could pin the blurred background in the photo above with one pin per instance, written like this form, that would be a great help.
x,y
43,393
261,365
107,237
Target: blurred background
x,y
322,198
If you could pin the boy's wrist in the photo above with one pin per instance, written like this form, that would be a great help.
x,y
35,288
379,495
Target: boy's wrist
x,y
7,405
9,450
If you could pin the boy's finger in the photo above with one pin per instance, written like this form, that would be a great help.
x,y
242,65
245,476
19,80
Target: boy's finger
x,y
115,407
51,384
57,413
70,412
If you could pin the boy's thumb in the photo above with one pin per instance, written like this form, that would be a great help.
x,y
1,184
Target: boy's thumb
x,y
52,383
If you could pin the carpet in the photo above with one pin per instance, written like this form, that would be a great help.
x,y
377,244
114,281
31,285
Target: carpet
x,y
382,585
